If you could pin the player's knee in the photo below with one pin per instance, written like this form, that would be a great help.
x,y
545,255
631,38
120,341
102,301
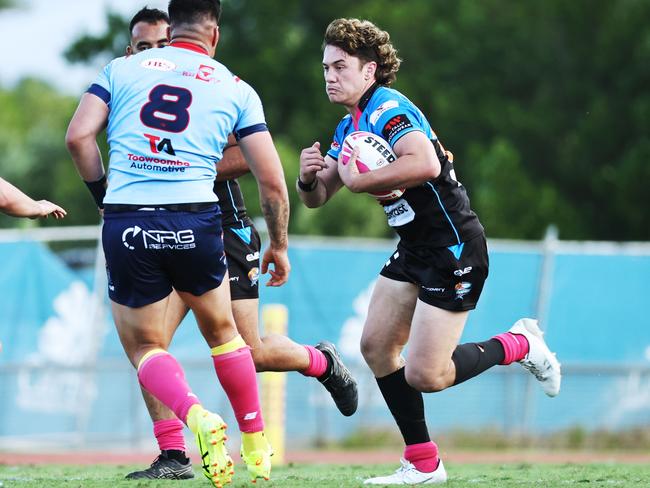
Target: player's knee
x,y
427,381
371,352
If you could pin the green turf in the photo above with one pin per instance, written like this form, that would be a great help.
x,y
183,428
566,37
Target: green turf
x,y
337,476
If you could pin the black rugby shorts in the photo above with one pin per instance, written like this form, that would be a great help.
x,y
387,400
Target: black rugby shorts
x,y
449,278
243,254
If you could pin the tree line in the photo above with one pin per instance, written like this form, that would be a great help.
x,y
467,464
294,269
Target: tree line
x,y
545,106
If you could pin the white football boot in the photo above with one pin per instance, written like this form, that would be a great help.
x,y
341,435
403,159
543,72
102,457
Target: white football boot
x,y
407,474
540,361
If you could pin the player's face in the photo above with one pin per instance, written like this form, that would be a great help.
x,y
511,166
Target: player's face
x,y
346,77
146,36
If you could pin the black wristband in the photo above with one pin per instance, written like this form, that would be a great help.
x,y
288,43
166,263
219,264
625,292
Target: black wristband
x,y
98,190
307,187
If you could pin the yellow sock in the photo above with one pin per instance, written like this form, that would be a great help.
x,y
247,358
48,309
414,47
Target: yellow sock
x,y
254,441
232,345
193,415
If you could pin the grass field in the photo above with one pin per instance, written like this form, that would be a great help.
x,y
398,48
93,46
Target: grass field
x,y
339,476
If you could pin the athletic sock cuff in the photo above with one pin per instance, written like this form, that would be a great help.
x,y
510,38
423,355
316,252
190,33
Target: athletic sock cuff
x,y
231,346
514,348
318,363
148,355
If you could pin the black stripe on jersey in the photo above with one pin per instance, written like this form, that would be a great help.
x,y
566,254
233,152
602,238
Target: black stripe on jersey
x,y
100,92
365,98
443,157
247,131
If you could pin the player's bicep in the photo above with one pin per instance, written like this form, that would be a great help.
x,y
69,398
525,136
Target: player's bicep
x,y
416,154
415,143
89,120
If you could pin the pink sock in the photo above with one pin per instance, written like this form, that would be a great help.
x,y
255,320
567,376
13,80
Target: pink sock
x,y
163,377
515,346
236,373
423,456
317,362
169,434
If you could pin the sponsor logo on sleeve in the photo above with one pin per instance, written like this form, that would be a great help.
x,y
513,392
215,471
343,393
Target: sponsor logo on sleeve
x,y
335,146
394,126
374,117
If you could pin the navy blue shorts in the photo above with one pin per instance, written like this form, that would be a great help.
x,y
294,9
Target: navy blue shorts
x,y
450,278
149,252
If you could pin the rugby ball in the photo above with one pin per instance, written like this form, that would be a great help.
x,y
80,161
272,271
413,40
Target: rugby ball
x,y
374,153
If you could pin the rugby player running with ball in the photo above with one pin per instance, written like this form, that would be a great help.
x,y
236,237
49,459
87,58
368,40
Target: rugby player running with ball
x,y
434,278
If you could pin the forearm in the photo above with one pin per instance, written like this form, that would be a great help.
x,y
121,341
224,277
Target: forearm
x,y
314,198
405,172
275,208
263,159
15,203
87,159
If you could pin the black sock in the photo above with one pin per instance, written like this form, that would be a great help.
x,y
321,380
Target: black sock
x,y
176,455
406,405
473,358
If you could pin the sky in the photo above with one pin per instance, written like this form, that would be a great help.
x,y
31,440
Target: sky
x,y
37,32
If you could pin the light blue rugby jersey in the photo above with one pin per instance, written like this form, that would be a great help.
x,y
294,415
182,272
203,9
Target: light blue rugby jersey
x,y
436,213
374,114
171,111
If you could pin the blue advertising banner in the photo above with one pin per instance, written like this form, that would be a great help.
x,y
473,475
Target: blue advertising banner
x,y
62,368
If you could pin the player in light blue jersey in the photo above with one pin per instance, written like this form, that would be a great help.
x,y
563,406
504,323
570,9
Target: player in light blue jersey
x,y
168,113
271,352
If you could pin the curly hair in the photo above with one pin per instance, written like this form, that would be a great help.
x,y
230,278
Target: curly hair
x,y
363,39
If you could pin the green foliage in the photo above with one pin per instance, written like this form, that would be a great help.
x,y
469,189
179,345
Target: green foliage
x,y
108,45
544,104
541,85
33,121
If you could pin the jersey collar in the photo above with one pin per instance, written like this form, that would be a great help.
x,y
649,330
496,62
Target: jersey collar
x,y
189,46
363,102
365,98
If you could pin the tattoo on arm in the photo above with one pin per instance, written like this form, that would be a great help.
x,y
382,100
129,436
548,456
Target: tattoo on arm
x,y
276,214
